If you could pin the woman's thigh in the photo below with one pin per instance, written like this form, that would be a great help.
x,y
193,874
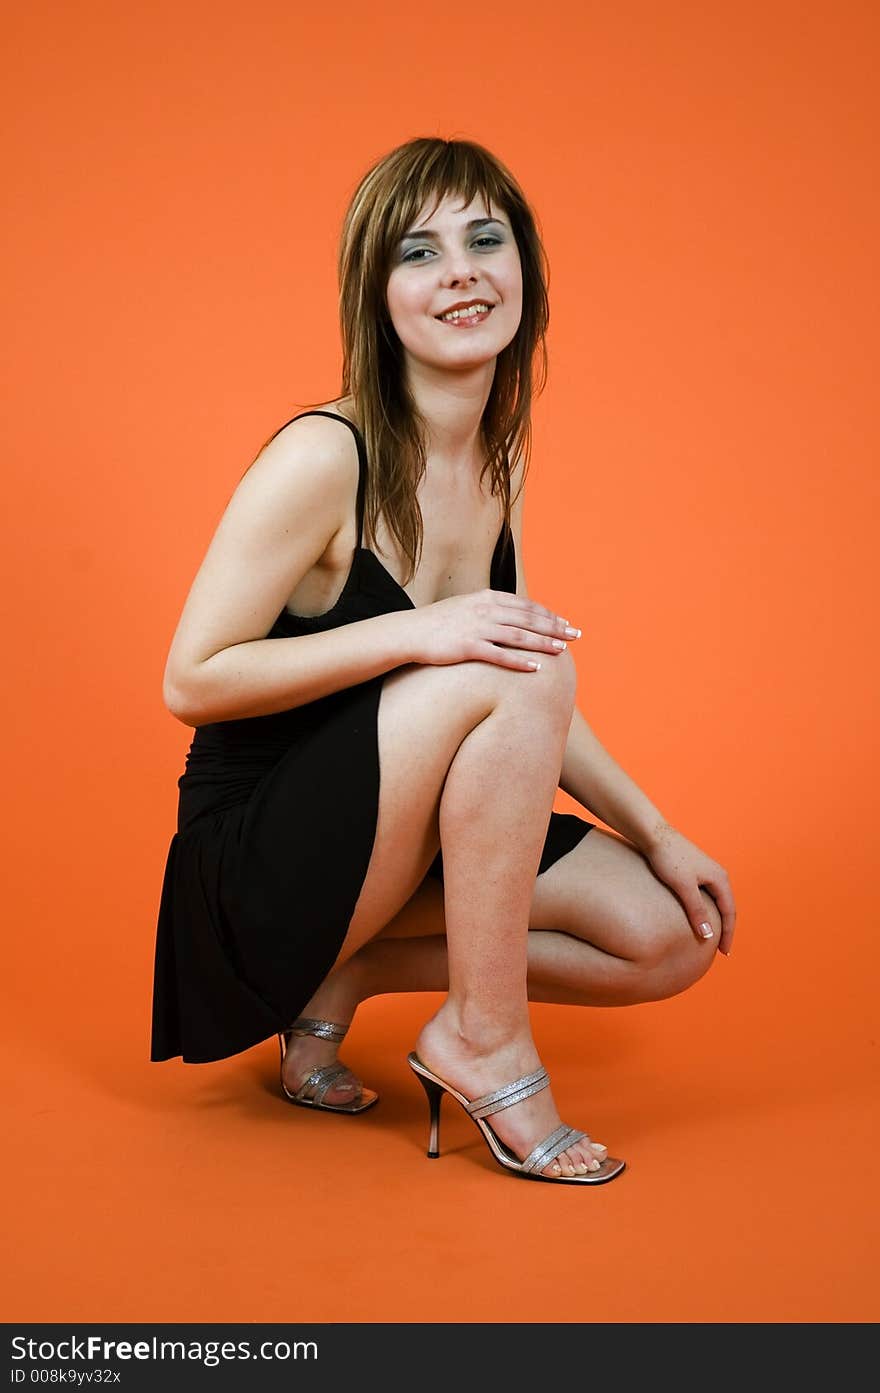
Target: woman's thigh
x,y
605,892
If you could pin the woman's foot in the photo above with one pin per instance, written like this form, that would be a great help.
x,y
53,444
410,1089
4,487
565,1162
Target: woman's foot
x,y
476,1068
335,1000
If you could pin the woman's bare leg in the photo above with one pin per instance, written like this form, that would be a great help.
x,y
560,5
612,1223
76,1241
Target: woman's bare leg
x,y
495,792
493,817
604,931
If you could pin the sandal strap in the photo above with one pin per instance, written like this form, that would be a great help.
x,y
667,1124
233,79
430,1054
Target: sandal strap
x,y
510,1094
324,1030
322,1080
548,1149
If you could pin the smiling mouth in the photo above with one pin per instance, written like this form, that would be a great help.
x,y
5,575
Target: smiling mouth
x,y
461,318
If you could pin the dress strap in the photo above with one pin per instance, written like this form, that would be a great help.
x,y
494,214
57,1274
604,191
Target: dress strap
x,y
362,462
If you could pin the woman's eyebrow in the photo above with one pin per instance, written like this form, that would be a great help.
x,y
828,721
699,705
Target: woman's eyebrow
x,y
426,232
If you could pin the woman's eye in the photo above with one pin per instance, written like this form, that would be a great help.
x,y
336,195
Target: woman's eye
x,y
492,242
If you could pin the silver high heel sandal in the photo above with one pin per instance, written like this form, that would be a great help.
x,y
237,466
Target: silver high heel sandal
x,y
313,1089
478,1108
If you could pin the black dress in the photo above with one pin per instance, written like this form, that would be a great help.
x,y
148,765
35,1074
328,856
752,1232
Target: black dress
x,y
276,822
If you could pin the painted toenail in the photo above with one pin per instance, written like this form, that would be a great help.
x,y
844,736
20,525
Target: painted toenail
x,y
558,1169
582,1168
593,1166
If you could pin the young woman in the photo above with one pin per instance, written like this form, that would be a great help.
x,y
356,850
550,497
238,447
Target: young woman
x,y
383,714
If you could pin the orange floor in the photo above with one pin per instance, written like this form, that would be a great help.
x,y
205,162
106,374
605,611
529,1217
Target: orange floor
x,y
170,1192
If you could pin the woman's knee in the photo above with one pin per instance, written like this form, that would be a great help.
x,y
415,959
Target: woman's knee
x,y
672,957
471,690
550,688
559,674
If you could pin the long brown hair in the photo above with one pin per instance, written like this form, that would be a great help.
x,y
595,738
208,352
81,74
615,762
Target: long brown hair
x,y
385,204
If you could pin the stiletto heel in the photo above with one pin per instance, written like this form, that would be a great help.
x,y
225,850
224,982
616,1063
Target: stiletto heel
x,y
435,1097
312,1090
478,1109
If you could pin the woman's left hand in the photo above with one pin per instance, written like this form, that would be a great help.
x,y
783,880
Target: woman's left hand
x,y
684,868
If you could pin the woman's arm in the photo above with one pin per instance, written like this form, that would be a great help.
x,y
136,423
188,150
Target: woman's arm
x,y
263,676
588,773
279,521
591,776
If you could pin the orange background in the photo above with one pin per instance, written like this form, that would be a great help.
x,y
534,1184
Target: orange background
x,y
703,502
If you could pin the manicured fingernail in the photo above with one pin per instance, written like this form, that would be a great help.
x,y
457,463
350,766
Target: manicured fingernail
x,y
559,643
706,930
534,665
572,633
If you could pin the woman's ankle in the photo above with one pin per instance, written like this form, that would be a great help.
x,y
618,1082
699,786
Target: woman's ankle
x,y
476,1032
338,996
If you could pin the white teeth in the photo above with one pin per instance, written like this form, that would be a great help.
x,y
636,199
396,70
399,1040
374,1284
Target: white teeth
x,y
466,314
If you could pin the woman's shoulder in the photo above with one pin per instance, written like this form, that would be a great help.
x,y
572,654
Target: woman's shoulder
x,y
316,426
307,452
310,437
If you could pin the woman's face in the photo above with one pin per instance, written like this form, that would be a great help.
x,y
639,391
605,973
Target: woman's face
x,y
443,261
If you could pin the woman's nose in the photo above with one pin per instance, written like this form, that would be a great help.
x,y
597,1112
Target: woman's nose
x,y
460,268
464,278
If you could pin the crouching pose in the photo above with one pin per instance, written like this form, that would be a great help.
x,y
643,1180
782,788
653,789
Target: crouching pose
x,y
383,714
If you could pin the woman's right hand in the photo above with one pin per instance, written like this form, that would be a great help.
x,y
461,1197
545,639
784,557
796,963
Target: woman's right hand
x,y
490,626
